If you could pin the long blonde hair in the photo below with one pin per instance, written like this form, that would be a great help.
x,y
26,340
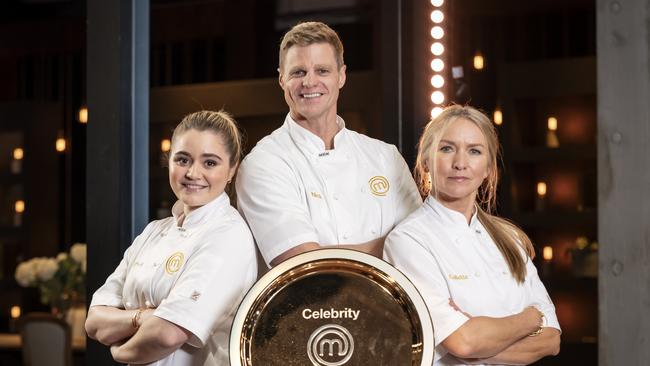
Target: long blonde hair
x,y
508,238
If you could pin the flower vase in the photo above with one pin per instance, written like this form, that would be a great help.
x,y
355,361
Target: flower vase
x,y
59,305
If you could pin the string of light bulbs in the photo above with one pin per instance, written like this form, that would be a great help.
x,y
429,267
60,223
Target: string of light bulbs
x,y
437,50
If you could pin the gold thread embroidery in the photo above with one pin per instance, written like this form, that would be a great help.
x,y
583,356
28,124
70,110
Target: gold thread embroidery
x,y
458,277
174,263
379,185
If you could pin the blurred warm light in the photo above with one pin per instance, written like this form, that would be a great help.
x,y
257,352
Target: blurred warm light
x,y
437,32
498,117
437,49
19,206
437,65
552,123
15,312
437,2
165,145
479,62
566,187
437,16
18,154
60,144
541,189
437,97
437,81
547,253
83,115
435,112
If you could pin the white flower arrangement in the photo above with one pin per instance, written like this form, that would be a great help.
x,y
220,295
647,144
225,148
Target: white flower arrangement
x,y
61,280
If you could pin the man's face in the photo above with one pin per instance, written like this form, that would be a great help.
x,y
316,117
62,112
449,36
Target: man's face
x,y
311,81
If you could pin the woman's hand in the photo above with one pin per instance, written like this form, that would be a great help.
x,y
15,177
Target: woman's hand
x,y
145,315
534,317
155,339
484,337
109,325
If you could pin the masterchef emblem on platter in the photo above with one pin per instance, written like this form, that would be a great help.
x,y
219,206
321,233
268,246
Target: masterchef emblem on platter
x,y
330,345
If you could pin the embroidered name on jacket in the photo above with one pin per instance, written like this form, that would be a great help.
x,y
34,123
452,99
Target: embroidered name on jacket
x,y
458,277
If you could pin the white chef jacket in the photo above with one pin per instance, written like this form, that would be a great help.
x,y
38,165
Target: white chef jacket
x,y
291,190
195,276
447,258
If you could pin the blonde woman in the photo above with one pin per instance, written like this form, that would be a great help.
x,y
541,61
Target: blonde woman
x,y
172,299
474,269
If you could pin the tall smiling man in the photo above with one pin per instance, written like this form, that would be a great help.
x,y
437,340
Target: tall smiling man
x,y
312,183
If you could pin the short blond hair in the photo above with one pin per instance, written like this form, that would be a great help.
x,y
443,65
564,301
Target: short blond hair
x,y
307,33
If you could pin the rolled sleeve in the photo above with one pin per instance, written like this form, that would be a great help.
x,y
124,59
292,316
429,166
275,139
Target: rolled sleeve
x,y
270,200
110,293
540,297
418,264
203,297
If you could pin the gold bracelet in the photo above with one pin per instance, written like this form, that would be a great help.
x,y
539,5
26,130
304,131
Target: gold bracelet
x,y
541,326
135,320
537,332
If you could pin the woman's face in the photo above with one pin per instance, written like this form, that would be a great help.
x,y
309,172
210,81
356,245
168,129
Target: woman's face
x,y
461,164
199,168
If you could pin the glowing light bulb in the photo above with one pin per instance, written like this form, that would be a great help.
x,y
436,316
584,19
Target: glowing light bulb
x,y
498,117
437,2
541,189
479,62
435,112
437,48
15,312
552,123
83,115
165,145
60,144
437,81
437,65
18,154
547,253
19,206
437,32
437,97
437,16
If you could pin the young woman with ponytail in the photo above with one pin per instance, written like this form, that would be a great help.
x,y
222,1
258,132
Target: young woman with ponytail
x,y
474,269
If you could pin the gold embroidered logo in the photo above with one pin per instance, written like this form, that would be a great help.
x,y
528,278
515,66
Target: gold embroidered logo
x,y
378,185
174,263
458,277
315,195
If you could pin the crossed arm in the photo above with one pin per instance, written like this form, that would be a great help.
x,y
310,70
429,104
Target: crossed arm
x,y
527,350
373,247
484,340
155,338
